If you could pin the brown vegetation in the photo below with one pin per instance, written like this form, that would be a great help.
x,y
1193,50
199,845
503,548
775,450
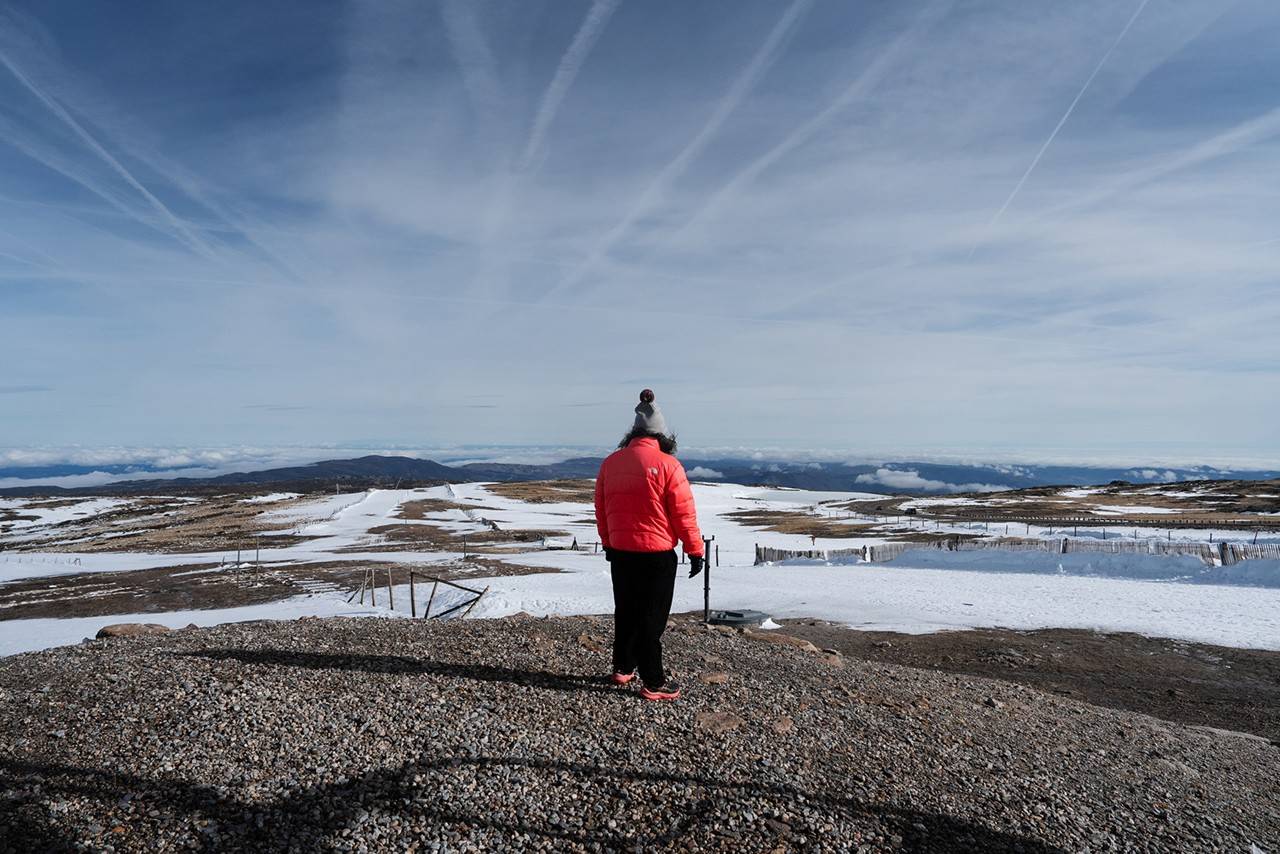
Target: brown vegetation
x,y
164,525
207,586
579,491
422,507
799,522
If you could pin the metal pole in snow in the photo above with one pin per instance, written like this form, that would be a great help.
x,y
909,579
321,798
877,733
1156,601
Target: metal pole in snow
x,y
706,579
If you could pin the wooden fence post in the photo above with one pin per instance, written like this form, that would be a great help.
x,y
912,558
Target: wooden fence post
x,y
426,615
391,596
473,603
413,607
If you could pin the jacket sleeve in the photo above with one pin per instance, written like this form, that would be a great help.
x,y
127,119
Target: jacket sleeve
x,y
681,513
602,519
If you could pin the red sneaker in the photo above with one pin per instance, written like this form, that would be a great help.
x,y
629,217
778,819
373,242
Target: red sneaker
x,y
669,690
622,678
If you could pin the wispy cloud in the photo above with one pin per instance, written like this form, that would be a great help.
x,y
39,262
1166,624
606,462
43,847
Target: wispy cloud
x,y
773,209
861,85
24,389
566,72
178,228
475,59
759,65
1035,161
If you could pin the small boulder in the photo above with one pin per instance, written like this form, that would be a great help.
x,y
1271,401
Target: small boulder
x,y
590,643
129,630
783,640
714,678
783,725
717,722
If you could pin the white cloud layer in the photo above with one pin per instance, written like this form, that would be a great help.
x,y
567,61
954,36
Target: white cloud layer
x,y
908,479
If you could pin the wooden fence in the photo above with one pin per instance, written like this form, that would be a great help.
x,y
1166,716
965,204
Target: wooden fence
x,y
370,584
1225,554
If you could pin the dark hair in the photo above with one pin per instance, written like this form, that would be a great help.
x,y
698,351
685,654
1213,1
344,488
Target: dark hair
x,y
665,442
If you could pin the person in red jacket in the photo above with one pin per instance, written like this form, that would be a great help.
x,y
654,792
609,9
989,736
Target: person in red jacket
x,y
644,507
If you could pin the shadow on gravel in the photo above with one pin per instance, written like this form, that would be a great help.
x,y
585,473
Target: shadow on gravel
x,y
311,817
407,665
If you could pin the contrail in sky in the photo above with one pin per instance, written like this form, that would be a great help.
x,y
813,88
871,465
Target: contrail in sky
x,y
473,56
570,64
180,229
760,63
1048,142
861,85
492,271
1233,139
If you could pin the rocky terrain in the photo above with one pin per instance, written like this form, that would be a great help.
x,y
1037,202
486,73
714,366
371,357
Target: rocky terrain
x,y
389,735
1190,683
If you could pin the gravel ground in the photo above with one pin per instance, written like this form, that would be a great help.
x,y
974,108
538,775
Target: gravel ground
x,y
1190,683
391,735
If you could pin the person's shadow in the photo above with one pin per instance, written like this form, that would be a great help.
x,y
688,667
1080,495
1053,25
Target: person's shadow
x,y
310,819
404,664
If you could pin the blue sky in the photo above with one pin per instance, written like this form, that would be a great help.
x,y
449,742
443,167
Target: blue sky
x,y
985,227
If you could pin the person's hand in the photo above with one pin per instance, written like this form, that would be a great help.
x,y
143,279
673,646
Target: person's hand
x,y
695,564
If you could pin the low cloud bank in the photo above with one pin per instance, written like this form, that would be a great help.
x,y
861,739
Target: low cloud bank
x,y
910,479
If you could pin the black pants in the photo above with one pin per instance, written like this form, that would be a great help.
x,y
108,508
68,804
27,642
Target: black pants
x,y
643,584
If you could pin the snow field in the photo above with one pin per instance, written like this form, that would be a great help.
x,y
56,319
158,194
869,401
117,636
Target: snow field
x,y
921,591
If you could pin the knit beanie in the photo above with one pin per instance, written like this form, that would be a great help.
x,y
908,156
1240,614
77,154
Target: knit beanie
x,y
649,416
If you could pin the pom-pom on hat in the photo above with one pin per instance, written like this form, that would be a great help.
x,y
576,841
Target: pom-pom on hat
x,y
649,416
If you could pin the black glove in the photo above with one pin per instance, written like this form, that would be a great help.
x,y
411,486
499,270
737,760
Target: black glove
x,y
608,554
695,565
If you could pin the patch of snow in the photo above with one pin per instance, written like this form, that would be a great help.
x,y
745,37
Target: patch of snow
x,y
1081,492
891,598
1129,509
27,635
270,499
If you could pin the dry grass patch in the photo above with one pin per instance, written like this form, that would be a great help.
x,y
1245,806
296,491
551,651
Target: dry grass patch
x,y
424,537
525,535
419,535
197,587
579,491
159,525
794,522
420,508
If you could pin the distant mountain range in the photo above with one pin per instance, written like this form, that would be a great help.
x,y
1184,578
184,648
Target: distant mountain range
x,y
884,478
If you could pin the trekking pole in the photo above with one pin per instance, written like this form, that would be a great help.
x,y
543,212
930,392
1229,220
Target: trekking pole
x,y
706,579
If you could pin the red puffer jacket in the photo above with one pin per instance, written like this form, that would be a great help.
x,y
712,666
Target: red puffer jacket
x,y
643,501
